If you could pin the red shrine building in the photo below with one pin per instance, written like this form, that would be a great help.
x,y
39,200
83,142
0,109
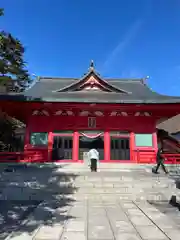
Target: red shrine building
x,y
65,117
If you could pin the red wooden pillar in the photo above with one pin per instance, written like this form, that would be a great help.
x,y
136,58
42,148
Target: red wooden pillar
x,y
155,142
50,146
107,144
132,146
75,154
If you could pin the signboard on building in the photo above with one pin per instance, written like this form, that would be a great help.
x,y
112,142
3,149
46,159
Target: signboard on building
x,y
91,122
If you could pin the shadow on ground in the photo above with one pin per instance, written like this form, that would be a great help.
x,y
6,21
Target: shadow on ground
x,y
32,195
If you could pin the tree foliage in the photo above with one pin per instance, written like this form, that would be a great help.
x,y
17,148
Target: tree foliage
x,y
12,68
12,64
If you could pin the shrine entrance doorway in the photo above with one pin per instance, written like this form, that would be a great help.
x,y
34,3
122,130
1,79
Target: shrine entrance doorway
x,y
89,140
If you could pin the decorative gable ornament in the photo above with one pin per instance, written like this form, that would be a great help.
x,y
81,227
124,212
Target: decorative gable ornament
x,y
64,113
142,114
70,113
40,113
91,81
112,114
58,113
99,113
88,113
84,113
147,114
117,113
125,114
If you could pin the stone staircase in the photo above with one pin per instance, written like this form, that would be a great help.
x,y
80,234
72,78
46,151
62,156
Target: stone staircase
x,y
110,167
135,185
123,181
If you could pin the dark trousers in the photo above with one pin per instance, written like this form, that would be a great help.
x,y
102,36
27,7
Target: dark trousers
x,y
160,163
93,165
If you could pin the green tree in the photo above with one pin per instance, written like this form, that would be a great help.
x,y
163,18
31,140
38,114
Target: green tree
x,y
12,70
12,64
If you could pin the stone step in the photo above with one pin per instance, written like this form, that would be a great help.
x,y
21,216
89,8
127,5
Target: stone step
x,y
89,185
123,184
121,196
103,165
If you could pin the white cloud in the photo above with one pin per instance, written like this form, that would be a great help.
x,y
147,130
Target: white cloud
x,y
122,44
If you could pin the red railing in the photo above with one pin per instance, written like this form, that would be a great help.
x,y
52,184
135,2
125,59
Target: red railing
x,y
11,156
145,156
39,155
173,158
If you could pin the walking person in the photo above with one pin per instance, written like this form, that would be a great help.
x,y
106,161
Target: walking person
x,y
160,159
93,156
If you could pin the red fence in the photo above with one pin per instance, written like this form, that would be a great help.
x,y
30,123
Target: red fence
x,y
42,156
172,158
11,157
145,156
27,156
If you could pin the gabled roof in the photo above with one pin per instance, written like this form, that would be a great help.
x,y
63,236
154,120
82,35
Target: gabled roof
x,y
90,79
76,90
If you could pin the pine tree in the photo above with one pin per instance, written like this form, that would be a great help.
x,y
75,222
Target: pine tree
x,y
12,64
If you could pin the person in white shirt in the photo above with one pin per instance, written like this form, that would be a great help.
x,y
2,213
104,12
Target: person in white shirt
x,y
93,156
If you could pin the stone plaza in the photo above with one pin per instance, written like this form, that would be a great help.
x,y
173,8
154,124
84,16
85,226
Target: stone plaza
x,y
64,202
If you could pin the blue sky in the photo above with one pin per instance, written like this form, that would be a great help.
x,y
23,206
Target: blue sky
x,y
125,38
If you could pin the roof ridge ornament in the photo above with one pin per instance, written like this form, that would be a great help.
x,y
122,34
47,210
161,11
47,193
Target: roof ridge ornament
x,y
144,80
91,68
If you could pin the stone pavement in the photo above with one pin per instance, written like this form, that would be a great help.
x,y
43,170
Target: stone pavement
x,y
126,205
105,220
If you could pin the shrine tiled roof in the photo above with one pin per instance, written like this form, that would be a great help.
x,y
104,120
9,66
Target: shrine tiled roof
x,y
92,88
137,92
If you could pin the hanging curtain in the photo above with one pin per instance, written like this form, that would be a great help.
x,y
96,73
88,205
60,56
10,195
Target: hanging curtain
x,y
92,136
